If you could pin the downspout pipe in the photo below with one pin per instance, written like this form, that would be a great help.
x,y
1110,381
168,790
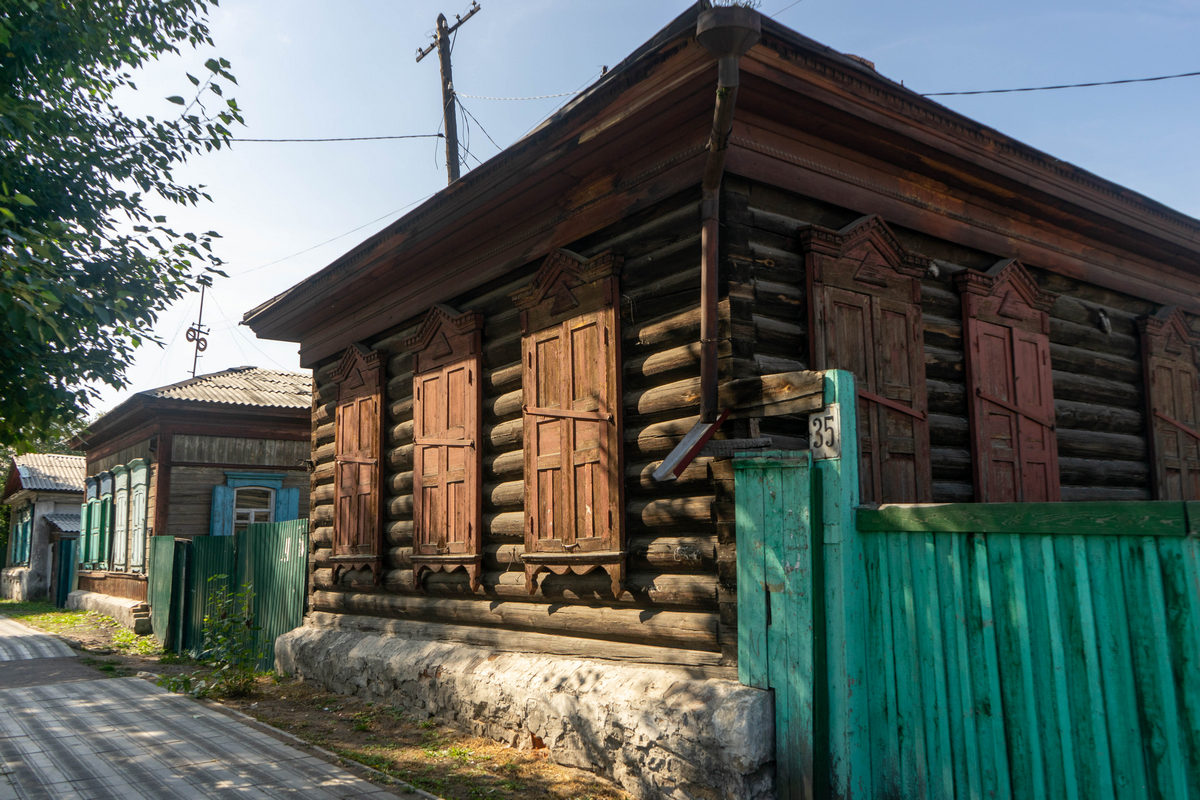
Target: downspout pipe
x,y
727,32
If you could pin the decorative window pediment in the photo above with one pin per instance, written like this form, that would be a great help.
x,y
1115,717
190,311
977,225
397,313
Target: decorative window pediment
x,y
570,351
1006,327
447,456
865,295
1171,358
358,447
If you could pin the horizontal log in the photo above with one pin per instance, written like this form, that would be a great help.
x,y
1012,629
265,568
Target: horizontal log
x,y
401,365
399,387
691,630
1103,472
400,482
507,494
775,394
699,663
952,492
400,507
657,439
950,462
398,531
506,405
400,409
1090,336
680,394
944,364
504,465
1066,358
319,537
945,397
1097,416
400,457
1101,444
501,377
323,434
503,435
322,494
1081,494
401,433
946,430
671,511
1086,388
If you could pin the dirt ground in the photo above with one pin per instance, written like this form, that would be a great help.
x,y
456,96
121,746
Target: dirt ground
x,y
420,751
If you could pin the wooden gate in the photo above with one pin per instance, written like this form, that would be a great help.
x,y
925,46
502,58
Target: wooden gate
x,y
1005,650
268,560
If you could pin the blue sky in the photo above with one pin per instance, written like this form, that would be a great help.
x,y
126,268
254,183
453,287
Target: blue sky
x,y
311,68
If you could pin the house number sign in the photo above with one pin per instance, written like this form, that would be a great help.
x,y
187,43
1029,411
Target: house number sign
x,y
825,432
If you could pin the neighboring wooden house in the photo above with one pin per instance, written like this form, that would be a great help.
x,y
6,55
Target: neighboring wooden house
x,y
500,374
205,456
43,493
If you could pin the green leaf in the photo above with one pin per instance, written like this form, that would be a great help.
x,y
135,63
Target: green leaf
x,y
176,99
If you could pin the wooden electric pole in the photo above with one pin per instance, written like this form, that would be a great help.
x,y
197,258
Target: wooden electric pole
x,y
441,40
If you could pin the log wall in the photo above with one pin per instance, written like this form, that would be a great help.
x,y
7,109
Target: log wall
x,y
191,496
671,531
1099,402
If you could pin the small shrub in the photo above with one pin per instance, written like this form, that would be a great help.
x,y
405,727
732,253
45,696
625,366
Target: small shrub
x,y
228,661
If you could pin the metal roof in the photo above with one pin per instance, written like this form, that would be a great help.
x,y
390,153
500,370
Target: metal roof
x,y
65,521
243,386
50,472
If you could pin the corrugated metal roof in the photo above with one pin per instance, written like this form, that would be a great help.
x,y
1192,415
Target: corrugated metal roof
x,y
50,472
65,521
243,386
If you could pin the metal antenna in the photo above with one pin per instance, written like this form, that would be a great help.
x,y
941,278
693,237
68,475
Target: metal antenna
x,y
198,333
441,40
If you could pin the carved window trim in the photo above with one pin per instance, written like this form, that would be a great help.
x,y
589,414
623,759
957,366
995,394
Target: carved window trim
x,y
567,290
1171,353
840,271
1006,303
448,348
358,526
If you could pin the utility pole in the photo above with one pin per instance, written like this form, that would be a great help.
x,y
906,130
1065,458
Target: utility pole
x,y
198,333
441,40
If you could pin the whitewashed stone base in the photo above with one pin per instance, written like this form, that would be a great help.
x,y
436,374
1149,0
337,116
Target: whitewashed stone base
x,y
15,584
133,614
657,731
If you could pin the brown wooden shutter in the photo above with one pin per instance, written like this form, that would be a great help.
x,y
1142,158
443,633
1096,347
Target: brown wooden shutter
x,y
866,317
571,361
358,437
447,502
1010,390
1170,357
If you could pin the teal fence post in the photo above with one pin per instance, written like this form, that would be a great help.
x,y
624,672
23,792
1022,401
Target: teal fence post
x,y
843,572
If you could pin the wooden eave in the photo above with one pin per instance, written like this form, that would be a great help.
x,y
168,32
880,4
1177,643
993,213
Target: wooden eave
x,y
808,119
142,417
817,122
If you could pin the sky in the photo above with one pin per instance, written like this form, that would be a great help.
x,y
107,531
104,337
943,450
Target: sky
x,y
313,68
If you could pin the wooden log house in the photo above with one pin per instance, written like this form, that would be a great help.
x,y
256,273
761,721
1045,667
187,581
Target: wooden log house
x,y
42,492
203,456
499,374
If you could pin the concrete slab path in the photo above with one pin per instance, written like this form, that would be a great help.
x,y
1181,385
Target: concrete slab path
x,y
125,738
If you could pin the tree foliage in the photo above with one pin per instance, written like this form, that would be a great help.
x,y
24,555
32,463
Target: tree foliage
x,y
85,267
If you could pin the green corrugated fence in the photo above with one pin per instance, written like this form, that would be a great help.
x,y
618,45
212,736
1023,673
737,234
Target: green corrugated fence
x,y
268,560
1047,650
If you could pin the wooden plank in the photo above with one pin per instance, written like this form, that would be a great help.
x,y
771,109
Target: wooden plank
x,y
1091,715
985,672
909,702
1116,664
845,606
749,511
939,764
881,668
1015,650
1147,518
1058,677
1178,560
1153,669
963,700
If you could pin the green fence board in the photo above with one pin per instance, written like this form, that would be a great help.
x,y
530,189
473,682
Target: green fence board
x,y
1046,650
161,579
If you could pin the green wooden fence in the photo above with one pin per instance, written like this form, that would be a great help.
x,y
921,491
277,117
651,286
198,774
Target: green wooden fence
x,y
1044,650
268,560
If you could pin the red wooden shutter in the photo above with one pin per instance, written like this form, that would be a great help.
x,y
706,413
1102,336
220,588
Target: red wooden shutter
x,y
1011,394
357,449
446,454
571,359
1173,405
866,318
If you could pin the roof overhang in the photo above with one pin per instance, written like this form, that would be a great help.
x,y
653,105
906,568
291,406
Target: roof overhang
x,y
809,119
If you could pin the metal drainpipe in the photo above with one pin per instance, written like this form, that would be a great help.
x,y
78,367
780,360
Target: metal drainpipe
x,y
726,32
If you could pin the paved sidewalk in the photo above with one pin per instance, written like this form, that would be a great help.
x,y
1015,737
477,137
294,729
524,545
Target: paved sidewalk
x,y
126,738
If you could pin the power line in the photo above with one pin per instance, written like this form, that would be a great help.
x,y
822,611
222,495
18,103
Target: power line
x,y
532,97
323,139
334,238
1065,85
480,124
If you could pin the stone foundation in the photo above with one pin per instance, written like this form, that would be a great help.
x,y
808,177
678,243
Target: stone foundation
x,y
15,584
657,731
133,614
